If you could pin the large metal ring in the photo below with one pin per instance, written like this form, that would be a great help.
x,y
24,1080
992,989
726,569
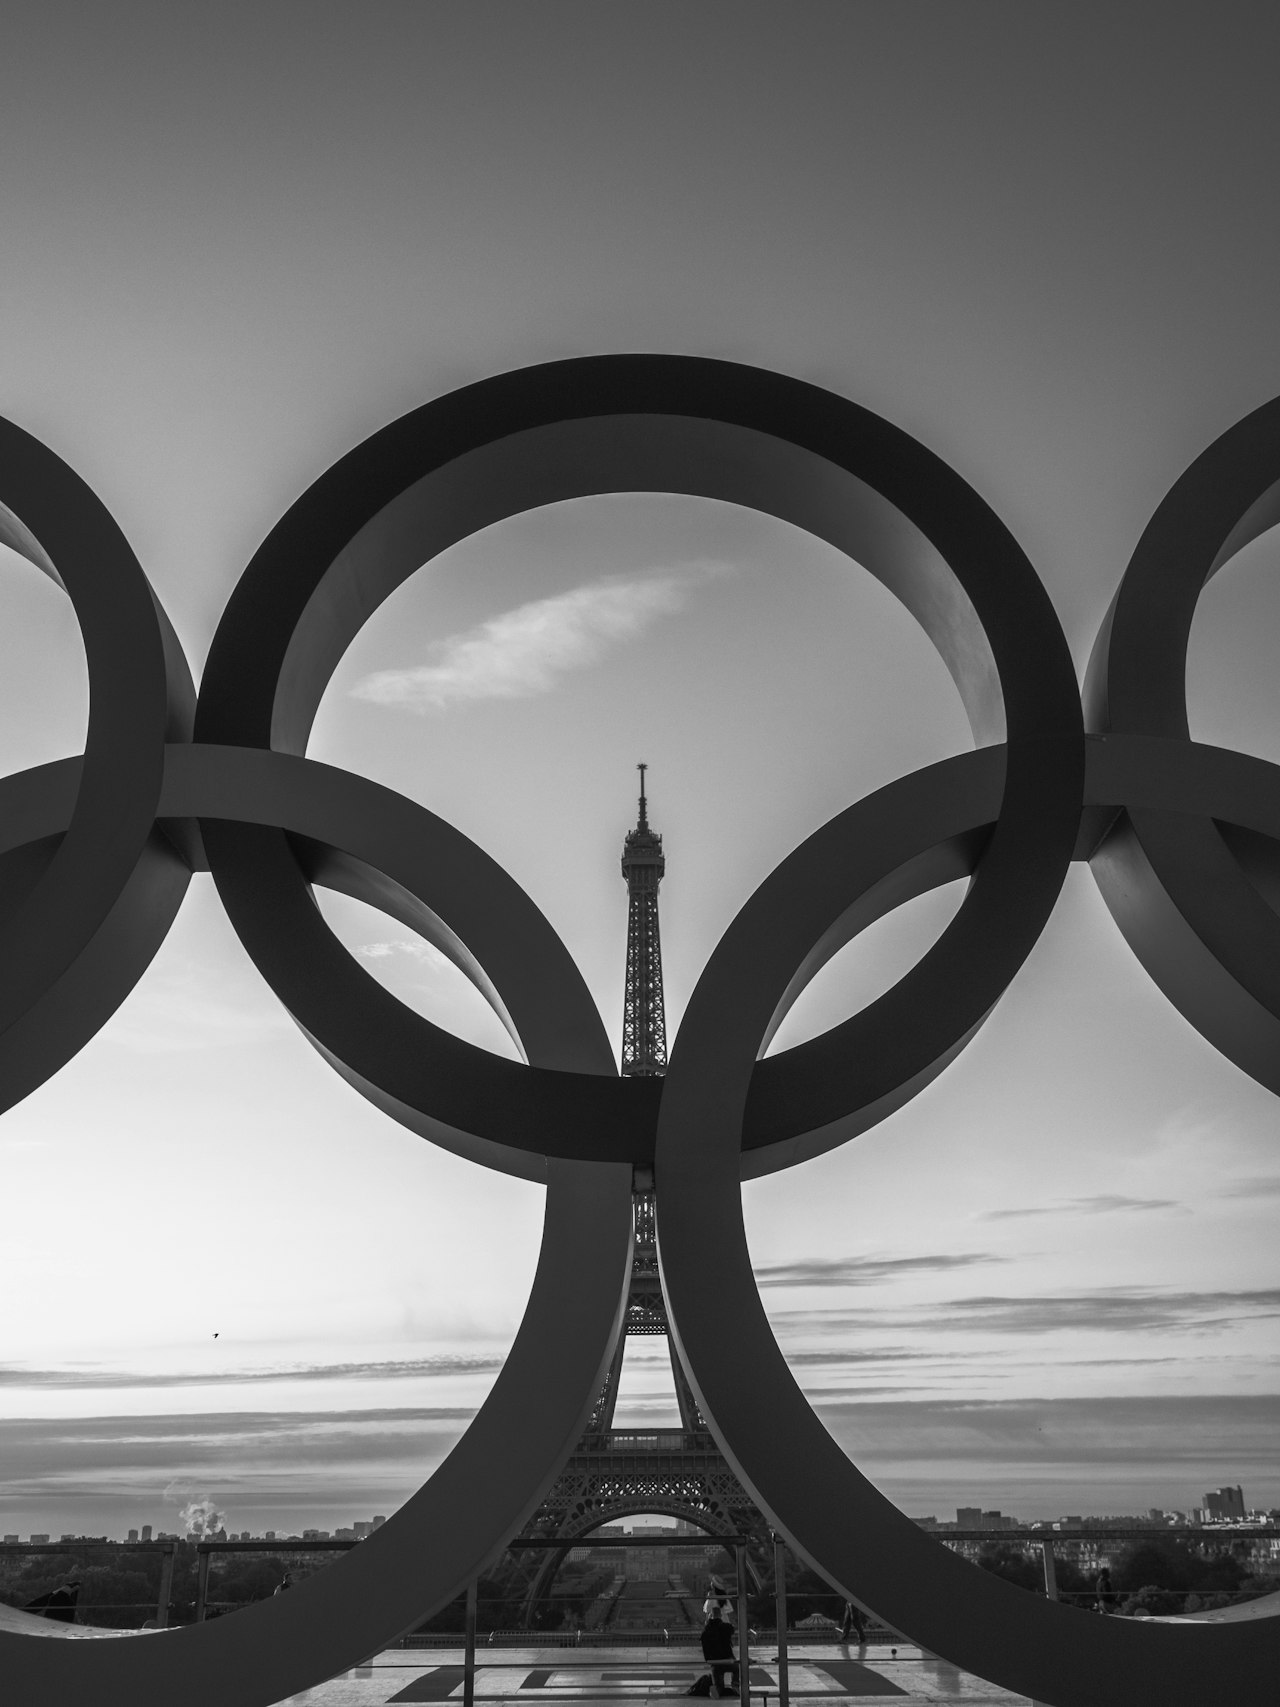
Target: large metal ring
x,y
369,842
646,423
915,833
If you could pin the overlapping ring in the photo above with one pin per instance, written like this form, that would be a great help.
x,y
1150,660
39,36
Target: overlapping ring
x,y
1011,815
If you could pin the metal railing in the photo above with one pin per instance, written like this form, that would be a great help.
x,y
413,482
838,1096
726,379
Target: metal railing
x,y
206,1549
84,1549
1046,1540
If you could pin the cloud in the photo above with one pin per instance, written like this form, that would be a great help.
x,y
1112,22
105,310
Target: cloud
x,y
414,947
1258,1185
524,651
1172,1428
1107,1204
826,1359
1120,1309
862,1271
77,1378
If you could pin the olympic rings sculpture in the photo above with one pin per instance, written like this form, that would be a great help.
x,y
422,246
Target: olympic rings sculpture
x,y
1183,839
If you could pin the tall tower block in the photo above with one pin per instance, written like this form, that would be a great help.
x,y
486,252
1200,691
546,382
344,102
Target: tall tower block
x,y
644,1020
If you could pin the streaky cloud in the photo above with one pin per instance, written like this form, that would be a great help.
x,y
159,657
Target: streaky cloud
x,y
77,1378
863,1271
1257,1185
1108,1203
1124,1309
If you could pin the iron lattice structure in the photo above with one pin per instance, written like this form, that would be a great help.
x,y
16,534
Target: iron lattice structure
x,y
644,1020
614,1473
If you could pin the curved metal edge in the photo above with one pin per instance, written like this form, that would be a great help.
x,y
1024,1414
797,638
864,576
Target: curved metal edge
x,y
1136,680
1204,932
635,422
139,690
1018,838
452,1528
810,1490
569,1102
494,1111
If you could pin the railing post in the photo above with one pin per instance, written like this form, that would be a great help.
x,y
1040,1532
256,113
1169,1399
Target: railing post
x,y
203,1560
780,1616
166,1585
1050,1572
744,1635
469,1655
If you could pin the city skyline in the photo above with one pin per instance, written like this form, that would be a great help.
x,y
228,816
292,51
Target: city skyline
x,y
1053,1270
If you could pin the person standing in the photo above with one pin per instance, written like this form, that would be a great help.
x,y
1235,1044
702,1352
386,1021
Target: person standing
x,y
717,1651
855,1620
1104,1591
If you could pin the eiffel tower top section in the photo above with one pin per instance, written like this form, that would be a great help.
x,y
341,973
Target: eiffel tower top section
x,y
644,1021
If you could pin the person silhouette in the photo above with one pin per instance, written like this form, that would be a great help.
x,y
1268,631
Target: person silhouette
x,y
60,1603
717,1650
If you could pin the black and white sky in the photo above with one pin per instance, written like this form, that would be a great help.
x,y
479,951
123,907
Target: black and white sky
x,y
237,240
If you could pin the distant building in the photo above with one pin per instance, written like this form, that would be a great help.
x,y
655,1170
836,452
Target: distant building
x,y
344,1535
146,1532
132,1535
270,1535
39,1540
66,1538
378,1522
11,1540
969,1517
1223,1502
1155,1515
362,1528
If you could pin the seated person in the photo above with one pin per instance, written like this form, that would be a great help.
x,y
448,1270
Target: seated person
x,y
59,1604
717,1650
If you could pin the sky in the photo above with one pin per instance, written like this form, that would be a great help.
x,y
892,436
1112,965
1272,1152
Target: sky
x,y
237,241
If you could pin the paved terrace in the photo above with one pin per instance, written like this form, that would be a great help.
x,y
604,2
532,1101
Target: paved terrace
x,y
832,1674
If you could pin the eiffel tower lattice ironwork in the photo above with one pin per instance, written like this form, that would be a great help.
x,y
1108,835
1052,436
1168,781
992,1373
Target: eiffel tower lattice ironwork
x,y
613,1472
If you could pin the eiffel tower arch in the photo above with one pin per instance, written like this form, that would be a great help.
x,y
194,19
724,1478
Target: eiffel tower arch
x,y
614,1473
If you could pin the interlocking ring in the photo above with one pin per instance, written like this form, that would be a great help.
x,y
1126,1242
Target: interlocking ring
x,y
242,798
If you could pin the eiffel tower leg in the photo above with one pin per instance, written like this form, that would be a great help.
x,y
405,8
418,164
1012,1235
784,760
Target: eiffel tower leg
x,y
691,1418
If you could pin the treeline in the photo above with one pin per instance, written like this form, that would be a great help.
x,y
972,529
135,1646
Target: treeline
x,y
1156,1576
121,1589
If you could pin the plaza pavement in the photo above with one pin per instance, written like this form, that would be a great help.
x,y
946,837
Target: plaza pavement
x,y
612,1677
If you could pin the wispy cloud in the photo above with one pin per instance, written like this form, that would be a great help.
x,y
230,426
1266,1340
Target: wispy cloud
x,y
832,1359
1107,1204
413,947
862,1271
526,650
1257,1185
415,1368
1121,1309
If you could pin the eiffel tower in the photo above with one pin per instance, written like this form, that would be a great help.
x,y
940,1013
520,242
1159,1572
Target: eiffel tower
x,y
612,1472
